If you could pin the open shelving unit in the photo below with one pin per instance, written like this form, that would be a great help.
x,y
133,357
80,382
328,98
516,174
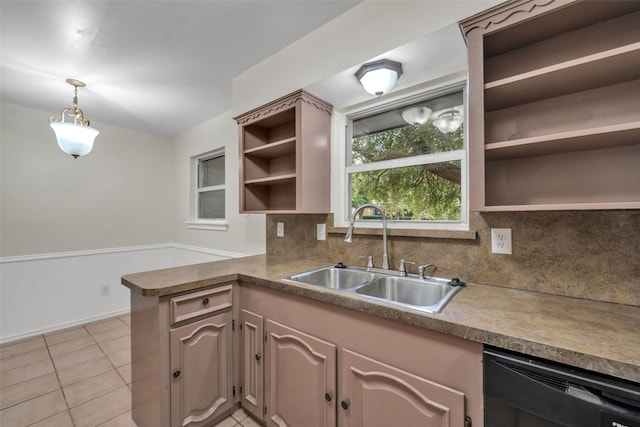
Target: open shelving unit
x,y
285,156
554,120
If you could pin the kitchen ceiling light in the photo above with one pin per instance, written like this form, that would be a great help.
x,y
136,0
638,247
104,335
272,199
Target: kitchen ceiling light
x,y
416,115
448,121
379,77
74,138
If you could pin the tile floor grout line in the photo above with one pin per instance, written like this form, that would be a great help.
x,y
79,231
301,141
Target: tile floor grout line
x,y
106,355
55,370
113,367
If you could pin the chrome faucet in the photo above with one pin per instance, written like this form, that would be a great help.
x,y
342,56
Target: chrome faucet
x,y
348,237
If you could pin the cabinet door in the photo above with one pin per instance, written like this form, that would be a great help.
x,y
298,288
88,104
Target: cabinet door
x,y
301,378
201,369
374,394
252,363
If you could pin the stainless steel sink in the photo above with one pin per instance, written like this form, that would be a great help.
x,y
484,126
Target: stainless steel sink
x,y
334,278
429,295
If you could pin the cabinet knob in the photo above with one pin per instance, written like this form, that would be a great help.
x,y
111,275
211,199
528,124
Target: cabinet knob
x,y
205,301
176,374
328,397
258,356
344,404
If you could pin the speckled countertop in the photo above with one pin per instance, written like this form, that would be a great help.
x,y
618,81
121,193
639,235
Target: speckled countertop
x,y
598,336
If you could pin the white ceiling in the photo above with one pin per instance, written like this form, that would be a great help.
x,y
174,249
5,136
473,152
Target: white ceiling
x,y
158,66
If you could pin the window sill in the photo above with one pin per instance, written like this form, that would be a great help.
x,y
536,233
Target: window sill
x,y
405,232
218,225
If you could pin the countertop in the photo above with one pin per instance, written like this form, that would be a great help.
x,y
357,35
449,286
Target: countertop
x,y
597,336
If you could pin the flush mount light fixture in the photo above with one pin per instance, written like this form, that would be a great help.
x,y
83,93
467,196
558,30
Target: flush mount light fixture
x,y
416,115
379,77
448,120
77,137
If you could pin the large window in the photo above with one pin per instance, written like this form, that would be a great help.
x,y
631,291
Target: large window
x,y
409,157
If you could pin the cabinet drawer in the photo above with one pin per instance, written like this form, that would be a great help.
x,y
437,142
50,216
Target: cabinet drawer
x,y
201,303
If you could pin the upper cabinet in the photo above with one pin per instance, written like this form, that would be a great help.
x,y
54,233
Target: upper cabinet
x,y
285,156
554,105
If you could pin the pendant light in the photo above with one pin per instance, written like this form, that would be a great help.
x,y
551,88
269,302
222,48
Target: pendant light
x,y
379,77
77,137
448,121
416,115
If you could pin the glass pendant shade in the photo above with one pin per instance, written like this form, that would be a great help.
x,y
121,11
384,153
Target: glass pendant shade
x,y
448,121
74,139
379,77
416,115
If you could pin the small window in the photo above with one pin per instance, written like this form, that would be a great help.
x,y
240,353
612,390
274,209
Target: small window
x,y
409,157
211,187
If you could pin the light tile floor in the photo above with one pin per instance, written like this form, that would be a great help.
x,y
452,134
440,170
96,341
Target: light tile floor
x,y
77,377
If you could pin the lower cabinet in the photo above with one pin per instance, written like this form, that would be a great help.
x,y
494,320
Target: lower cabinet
x,y
300,378
201,370
252,361
182,358
301,374
373,394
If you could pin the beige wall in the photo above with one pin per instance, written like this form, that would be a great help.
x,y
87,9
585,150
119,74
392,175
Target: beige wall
x,y
246,233
118,195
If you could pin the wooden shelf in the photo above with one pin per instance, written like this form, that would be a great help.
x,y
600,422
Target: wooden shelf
x,y
273,180
284,165
596,70
502,36
274,149
554,96
579,140
562,207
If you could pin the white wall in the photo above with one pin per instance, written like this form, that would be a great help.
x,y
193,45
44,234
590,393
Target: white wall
x,y
118,195
245,233
41,293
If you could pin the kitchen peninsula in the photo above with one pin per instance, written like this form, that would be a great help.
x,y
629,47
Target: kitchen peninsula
x,y
592,335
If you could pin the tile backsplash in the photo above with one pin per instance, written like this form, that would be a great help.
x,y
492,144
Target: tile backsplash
x,y
583,254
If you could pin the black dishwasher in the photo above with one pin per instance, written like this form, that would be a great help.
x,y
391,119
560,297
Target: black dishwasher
x,y
523,391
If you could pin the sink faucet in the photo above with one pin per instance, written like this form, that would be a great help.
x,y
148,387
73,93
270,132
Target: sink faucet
x,y
348,237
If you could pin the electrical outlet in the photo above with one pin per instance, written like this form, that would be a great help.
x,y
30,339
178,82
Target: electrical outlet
x,y
501,240
321,231
105,290
280,229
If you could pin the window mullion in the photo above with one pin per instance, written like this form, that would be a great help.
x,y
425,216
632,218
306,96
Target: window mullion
x,y
424,159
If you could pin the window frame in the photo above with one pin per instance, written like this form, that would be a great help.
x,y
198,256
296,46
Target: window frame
x,y
196,222
342,163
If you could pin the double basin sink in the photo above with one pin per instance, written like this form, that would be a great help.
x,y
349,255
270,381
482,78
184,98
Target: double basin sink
x,y
430,295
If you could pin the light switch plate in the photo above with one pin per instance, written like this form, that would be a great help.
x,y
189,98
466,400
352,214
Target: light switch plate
x,y
321,231
280,229
501,241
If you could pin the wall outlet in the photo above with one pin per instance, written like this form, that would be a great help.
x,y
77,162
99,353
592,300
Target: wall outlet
x,y
501,240
321,231
280,229
105,290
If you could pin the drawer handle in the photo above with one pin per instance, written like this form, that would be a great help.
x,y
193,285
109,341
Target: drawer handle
x,y
328,397
258,356
344,404
176,374
205,301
